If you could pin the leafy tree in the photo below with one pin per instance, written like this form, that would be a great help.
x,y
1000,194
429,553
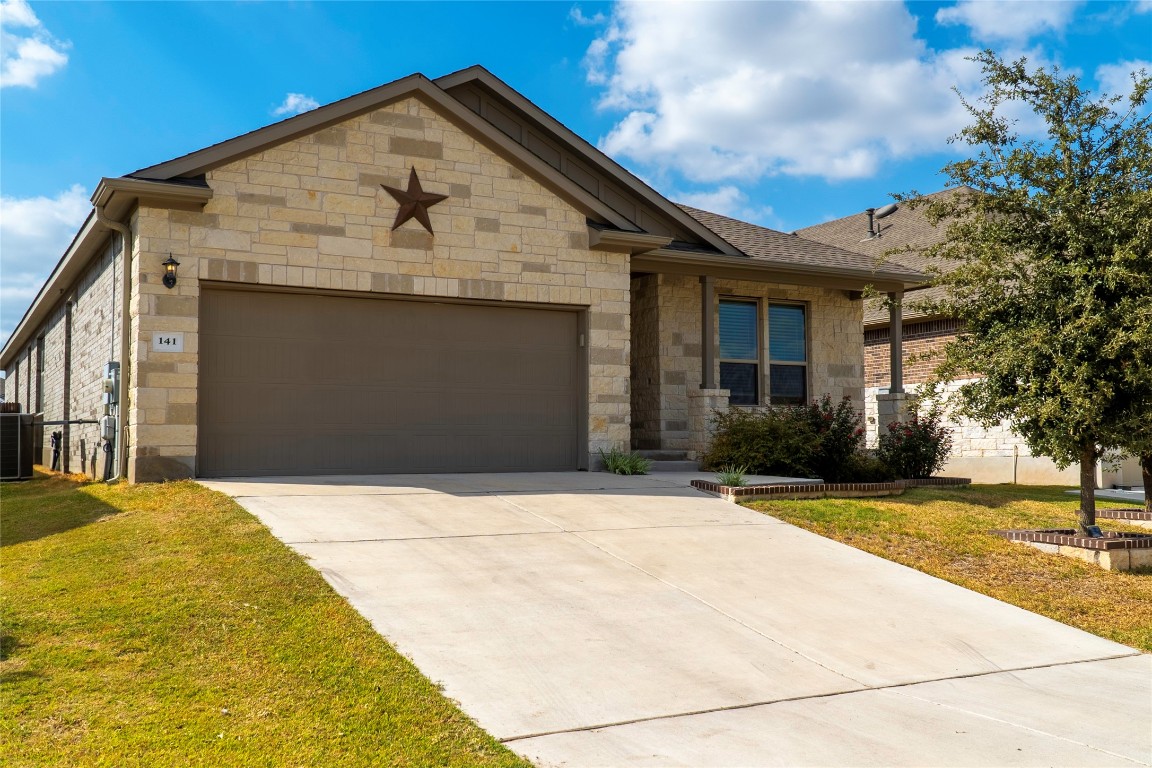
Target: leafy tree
x,y
1046,261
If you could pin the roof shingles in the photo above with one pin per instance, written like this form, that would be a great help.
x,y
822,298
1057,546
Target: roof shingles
x,y
770,245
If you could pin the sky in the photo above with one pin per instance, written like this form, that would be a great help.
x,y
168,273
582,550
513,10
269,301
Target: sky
x,y
785,114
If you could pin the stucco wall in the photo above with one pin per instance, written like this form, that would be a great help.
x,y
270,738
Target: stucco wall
x,y
835,344
311,213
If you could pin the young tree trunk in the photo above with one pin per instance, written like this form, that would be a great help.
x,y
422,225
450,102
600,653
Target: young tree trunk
x,y
1087,513
1146,475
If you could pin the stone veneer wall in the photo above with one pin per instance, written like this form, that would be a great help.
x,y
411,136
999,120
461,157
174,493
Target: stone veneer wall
x,y
645,382
95,341
310,213
835,344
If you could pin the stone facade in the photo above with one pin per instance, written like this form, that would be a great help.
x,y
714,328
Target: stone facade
x,y
835,345
310,213
84,326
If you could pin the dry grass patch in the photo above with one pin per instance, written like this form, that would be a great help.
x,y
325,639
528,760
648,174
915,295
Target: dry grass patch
x,y
944,532
163,625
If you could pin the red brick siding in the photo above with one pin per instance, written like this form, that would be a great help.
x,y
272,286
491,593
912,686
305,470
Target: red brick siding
x,y
920,339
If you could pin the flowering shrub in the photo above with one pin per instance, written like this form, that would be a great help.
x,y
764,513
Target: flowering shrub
x,y
916,448
839,434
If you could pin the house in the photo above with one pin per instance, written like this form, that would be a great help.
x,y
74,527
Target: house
x,y
433,275
994,454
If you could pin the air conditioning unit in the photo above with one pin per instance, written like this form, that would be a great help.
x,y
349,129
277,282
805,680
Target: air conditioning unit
x,y
16,445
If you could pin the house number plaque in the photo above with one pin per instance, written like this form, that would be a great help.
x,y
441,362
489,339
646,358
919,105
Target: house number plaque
x,y
168,341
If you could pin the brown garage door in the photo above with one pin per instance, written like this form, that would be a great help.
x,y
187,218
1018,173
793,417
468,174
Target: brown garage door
x,y
306,384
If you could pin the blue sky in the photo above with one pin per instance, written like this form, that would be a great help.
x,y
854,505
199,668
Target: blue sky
x,y
786,114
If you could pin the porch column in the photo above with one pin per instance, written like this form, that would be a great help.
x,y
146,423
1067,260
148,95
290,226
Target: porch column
x,y
896,340
707,332
892,405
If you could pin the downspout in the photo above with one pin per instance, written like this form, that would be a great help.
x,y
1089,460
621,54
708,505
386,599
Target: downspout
x,y
121,456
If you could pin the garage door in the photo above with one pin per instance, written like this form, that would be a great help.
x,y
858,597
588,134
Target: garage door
x,y
307,384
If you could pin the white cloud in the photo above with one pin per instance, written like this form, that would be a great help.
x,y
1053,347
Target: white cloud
x,y
34,232
1116,79
1144,6
29,54
738,91
1013,20
729,201
579,19
295,103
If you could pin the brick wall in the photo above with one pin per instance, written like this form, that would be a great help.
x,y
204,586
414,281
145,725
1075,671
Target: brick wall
x,y
920,342
95,340
310,213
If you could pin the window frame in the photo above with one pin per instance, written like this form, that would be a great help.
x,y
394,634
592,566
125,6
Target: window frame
x,y
769,361
758,361
764,360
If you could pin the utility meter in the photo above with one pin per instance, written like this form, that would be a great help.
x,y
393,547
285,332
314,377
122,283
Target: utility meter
x,y
112,383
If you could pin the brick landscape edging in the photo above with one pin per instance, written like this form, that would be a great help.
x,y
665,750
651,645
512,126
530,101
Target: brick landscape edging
x,y
818,490
1124,514
1069,538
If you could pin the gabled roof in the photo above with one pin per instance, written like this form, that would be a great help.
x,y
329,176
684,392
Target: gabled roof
x,y
904,228
769,245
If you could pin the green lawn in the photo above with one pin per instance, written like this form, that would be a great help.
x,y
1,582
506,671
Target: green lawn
x,y
163,625
944,532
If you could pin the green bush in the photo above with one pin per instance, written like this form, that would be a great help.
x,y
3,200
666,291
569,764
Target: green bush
x,y
820,439
865,468
771,441
621,463
918,447
839,431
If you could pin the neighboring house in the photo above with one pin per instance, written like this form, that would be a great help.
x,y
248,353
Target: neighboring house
x,y
433,275
986,454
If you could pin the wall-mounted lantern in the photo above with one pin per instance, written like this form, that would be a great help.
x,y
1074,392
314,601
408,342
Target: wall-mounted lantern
x,y
170,266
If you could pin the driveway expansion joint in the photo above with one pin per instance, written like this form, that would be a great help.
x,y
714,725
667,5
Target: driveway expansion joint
x,y
848,692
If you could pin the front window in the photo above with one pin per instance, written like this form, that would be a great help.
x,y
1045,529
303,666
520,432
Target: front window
x,y
740,351
787,355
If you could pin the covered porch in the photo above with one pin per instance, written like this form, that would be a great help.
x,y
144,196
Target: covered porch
x,y
709,331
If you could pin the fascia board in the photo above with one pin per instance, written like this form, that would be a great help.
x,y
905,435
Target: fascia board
x,y
202,160
417,86
743,268
119,196
87,243
586,150
625,242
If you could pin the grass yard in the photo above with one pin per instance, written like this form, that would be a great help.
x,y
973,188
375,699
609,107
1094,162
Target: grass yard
x,y
157,625
944,532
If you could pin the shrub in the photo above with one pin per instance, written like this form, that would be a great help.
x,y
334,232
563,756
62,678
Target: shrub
x,y
621,463
815,440
865,468
731,476
772,441
918,447
839,431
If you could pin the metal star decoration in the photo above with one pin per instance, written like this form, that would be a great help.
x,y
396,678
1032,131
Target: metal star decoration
x,y
414,202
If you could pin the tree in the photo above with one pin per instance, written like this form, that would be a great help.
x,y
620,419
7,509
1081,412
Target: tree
x,y
1046,261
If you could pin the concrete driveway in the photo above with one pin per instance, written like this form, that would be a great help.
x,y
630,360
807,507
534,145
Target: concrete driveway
x,y
588,619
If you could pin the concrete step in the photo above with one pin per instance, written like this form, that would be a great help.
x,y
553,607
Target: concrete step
x,y
674,466
663,455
